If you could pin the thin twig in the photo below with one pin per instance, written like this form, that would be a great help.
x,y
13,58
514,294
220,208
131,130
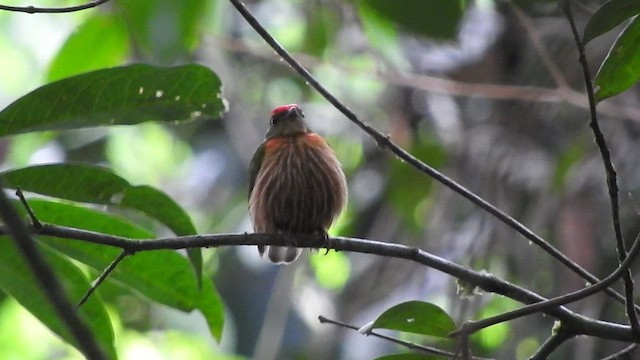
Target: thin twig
x,y
485,281
49,283
407,344
473,326
626,351
103,276
559,336
34,10
385,142
612,183
34,219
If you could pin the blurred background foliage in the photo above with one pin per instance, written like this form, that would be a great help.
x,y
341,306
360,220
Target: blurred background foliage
x,y
406,70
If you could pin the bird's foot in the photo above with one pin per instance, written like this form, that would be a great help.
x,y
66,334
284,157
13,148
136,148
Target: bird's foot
x,y
326,240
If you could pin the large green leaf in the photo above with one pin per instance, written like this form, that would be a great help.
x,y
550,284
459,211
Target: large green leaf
x,y
609,15
161,275
98,185
121,95
621,68
416,317
437,19
104,36
17,280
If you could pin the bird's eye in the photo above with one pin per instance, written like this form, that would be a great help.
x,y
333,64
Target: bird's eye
x,y
272,121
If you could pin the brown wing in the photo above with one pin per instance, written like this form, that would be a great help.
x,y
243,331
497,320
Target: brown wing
x,y
254,167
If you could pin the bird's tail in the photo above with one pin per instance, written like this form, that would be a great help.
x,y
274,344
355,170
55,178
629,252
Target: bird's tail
x,y
280,254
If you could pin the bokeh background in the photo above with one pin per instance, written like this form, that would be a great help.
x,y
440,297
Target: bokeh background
x,y
494,103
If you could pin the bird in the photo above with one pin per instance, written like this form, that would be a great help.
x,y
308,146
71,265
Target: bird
x,y
296,184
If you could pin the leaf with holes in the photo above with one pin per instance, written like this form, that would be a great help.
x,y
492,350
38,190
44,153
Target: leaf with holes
x,y
416,317
117,96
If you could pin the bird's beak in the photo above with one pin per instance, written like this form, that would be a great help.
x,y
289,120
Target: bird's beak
x,y
293,112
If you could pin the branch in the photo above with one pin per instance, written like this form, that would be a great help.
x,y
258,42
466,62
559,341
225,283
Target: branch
x,y
407,344
626,351
103,277
473,326
483,280
612,183
385,142
33,9
45,275
32,216
559,336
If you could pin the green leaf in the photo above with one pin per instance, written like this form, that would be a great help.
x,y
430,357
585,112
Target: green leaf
x,y
76,182
164,30
104,36
17,280
409,357
211,306
416,317
122,95
98,185
609,15
160,275
158,205
621,68
437,19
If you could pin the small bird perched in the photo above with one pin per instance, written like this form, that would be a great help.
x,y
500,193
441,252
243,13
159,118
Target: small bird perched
x,y
296,183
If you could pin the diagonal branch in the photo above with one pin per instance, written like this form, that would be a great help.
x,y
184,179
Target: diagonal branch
x,y
103,276
385,142
612,183
34,10
45,275
32,216
626,351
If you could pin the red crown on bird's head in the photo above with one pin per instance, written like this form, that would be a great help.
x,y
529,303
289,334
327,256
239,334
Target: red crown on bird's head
x,y
283,109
